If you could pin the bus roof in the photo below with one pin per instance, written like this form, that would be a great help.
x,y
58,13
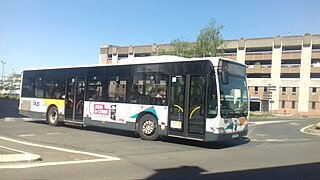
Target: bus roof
x,y
141,60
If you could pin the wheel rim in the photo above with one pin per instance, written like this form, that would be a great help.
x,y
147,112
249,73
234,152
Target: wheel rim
x,y
148,127
53,117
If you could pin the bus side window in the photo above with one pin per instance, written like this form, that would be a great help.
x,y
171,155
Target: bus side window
x,y
161,89
111,91
213,102
117,91
28,84
135,95
39,87
55,88
94,89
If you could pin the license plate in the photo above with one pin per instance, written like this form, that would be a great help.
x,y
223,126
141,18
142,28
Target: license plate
x,y
176,124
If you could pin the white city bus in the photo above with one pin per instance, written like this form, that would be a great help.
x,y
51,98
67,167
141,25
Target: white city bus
x,y
203,99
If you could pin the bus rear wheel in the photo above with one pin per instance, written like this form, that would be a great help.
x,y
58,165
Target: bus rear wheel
x,y
53,116
148,128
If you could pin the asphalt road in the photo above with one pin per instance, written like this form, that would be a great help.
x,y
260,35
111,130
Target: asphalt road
x,y
9,108
274,149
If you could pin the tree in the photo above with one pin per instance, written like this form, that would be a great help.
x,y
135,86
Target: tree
x,y
207,43
209,40
182,48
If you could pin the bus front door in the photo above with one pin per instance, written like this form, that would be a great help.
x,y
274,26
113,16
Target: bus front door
x,y
75,99
186,106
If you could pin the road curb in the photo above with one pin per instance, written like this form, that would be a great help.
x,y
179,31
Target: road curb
x,y
310,130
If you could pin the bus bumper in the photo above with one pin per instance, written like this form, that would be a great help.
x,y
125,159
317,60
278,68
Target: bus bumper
x,y
209,136
36,115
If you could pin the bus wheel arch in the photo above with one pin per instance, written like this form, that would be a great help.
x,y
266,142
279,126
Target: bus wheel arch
x,y
53,116
147,126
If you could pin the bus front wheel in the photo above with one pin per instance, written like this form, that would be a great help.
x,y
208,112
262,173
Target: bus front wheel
x,y
53,116
148,128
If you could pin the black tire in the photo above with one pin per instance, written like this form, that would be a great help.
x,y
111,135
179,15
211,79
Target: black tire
x,y
148,128
53,116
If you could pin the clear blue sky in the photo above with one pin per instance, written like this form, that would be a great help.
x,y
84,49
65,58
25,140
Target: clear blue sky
x,y
44,33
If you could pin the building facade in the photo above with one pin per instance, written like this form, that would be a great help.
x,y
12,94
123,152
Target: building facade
x,y
283,72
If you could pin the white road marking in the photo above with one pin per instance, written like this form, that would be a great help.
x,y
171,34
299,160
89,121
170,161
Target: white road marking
x,y
27,119
8,119
102,158
278,140
48,134
19,151
275,140
22,166
22,156
26,135
54,133
295,124
270,122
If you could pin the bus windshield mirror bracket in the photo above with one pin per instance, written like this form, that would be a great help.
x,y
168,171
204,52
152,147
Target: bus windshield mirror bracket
x,y
225,77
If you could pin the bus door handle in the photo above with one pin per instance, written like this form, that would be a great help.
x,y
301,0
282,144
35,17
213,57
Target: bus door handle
x,y
201,110
171,108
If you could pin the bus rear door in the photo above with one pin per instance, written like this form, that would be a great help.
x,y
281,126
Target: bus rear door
x,y
186,106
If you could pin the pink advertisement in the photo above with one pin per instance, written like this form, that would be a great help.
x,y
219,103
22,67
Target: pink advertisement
x,y
103,112
100,109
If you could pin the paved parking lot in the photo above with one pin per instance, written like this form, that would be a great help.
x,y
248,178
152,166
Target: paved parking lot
x,y
105,153
274,148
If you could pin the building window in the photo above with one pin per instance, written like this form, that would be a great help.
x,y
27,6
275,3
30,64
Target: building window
x,y
283,104
283,90
122,56
315,75
265,89
293,106
294,91
142,54
109,56
290,75
314,91
256,90
313,105
259,75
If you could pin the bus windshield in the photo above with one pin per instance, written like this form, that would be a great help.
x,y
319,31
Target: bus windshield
x,y
233,95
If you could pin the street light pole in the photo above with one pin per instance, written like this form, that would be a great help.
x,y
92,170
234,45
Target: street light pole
x,y
3,63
